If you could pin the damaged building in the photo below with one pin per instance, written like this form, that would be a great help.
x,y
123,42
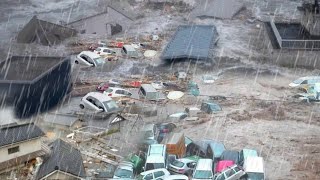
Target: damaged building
x,y
44,32
116,19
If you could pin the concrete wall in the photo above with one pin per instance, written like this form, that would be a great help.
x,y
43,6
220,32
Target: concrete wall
x,y
288,58
98,24
311,22
24,149
60,175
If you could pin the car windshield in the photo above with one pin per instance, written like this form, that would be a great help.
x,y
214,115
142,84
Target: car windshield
x,y
177,163
298,81
109,90
98,49
111,105
148,134
123,173
150,166
201,174
255,176
99,60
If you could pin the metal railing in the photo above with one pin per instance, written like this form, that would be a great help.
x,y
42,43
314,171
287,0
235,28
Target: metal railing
x,y
301,44
276,32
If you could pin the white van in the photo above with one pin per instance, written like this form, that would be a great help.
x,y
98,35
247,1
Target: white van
x,y
130,51
254,168
203,170
156,157
304,82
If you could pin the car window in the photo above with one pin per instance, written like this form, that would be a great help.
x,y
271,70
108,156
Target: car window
x,y
143,92
236,169
158,174
99,104
124,50
191,165
90,99
86,58
178,163
229,173
304,82
148,177
109,90
210,153
119,92
111,105
98,49
221,177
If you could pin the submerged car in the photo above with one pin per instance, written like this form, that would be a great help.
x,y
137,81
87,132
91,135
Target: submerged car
x,y
117,92
123,171
231,173
98,102
154,174
89,59
104,86
164,129
304,82
254,167
182,166
245,153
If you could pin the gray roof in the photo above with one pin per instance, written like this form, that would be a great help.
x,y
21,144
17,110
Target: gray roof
x,y
63,157
222,9
17,133
46,33
191,41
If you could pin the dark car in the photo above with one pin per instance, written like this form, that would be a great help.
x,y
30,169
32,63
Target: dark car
x,y
230,155
206,148
164,129
196,148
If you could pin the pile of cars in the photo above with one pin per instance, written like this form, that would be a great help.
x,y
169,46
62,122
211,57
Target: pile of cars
x,y
98,54
175,156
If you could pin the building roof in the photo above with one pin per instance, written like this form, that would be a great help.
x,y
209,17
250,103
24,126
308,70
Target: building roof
x,y
191,42
63,157
222,9
46,33
18,133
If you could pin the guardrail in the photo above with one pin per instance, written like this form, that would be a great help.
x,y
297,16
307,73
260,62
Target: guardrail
x,y
301,44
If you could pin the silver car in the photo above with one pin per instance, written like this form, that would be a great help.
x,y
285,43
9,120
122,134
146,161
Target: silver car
x,y
231,173
182,166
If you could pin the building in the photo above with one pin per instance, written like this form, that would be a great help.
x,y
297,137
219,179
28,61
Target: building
x,y
43,32
191,42
26,83
117,18
64,162
311,17
20,144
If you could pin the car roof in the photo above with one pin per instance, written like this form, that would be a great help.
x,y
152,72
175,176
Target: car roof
x,y
185,160
130,168
116,88
221,165
90,54
129,48
204,164
153,170
148,88
253,164
101,97
249,152
156,149
309,77
148,127
172,177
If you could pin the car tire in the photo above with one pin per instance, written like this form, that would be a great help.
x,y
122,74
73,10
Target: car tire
x,y
77,62
81,106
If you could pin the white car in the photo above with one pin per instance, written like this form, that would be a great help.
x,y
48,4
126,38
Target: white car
x,y
117,92
176,177
98,102
89,58
209,79
158,85
102,51
123,172
182,166
158,174
231,173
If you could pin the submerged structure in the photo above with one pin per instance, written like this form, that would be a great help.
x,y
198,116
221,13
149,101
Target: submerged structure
x,y
34,84
191,42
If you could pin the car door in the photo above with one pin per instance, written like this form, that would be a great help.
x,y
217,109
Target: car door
x,y
158,175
